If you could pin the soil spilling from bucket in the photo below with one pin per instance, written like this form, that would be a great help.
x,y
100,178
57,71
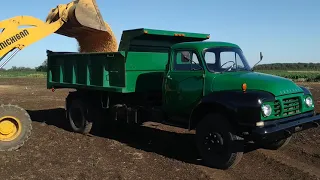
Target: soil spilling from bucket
x,y
98,42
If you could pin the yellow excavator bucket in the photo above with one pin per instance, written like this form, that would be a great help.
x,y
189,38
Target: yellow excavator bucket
x,y
80,16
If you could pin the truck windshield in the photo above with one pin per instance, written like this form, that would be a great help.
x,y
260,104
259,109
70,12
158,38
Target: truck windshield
x,y
225,59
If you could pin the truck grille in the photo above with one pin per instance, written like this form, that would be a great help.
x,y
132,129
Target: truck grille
x,y
277,108
291,106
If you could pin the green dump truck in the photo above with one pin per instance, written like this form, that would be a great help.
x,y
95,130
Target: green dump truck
x,y
204,86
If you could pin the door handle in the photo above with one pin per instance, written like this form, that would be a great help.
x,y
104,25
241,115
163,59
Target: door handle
x,y
169,77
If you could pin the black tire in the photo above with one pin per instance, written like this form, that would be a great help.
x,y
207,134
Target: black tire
x,y
78,116
227,149
22,124
276,145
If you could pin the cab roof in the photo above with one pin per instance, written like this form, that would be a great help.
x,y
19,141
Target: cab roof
x,y
203,44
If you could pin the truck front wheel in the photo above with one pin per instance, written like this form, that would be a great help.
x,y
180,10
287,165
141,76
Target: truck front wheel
x,y
216,143
276,145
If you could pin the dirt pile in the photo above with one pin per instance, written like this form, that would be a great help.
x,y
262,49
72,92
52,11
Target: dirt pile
x,y
98,42
151,151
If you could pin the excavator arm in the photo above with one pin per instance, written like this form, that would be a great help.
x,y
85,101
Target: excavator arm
x,y
75,19
15,38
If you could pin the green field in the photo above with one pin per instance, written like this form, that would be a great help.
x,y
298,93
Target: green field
x,y
308,76
14,74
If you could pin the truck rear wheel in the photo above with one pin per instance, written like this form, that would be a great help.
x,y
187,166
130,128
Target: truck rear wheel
x,y
77,114
15,127
216,143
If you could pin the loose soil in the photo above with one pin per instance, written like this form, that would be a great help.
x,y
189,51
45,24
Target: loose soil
x,y
152,151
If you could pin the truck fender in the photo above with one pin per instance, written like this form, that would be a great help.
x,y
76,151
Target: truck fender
x,y
305,90
240,107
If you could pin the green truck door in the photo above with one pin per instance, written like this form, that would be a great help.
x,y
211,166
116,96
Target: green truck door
x,y
183,83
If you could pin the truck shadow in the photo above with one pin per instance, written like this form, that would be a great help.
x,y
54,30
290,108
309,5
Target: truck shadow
x,y
55,117
173,145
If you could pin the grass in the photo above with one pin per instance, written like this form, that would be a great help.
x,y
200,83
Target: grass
x,y
305,76
27,74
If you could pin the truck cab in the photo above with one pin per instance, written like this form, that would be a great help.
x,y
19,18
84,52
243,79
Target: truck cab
x,y
207,86
213,85
218,72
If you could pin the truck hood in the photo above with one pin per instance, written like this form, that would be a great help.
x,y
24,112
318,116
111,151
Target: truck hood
x,y
255,81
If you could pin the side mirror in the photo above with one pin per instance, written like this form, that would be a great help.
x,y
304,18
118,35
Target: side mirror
x,y
261,56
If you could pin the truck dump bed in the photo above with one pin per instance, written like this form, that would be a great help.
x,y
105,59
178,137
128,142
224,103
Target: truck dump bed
x,y
138,66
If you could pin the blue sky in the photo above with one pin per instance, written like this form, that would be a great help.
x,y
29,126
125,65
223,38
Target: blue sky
x,y
285,31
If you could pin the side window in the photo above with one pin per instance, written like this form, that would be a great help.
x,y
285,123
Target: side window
x,y
210,58
195,59
186,61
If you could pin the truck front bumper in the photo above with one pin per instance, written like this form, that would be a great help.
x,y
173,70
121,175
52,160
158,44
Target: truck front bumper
x,y
282,128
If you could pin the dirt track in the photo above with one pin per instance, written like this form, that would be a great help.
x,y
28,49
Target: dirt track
x,y
160,152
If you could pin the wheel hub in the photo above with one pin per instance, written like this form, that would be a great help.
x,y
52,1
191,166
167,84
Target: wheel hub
x,y
213,141
9,128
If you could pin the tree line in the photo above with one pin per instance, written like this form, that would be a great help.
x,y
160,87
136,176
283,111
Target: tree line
x,y
41,68
289,66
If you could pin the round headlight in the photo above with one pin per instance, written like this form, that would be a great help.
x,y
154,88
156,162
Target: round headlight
x,y
266,110
309,101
